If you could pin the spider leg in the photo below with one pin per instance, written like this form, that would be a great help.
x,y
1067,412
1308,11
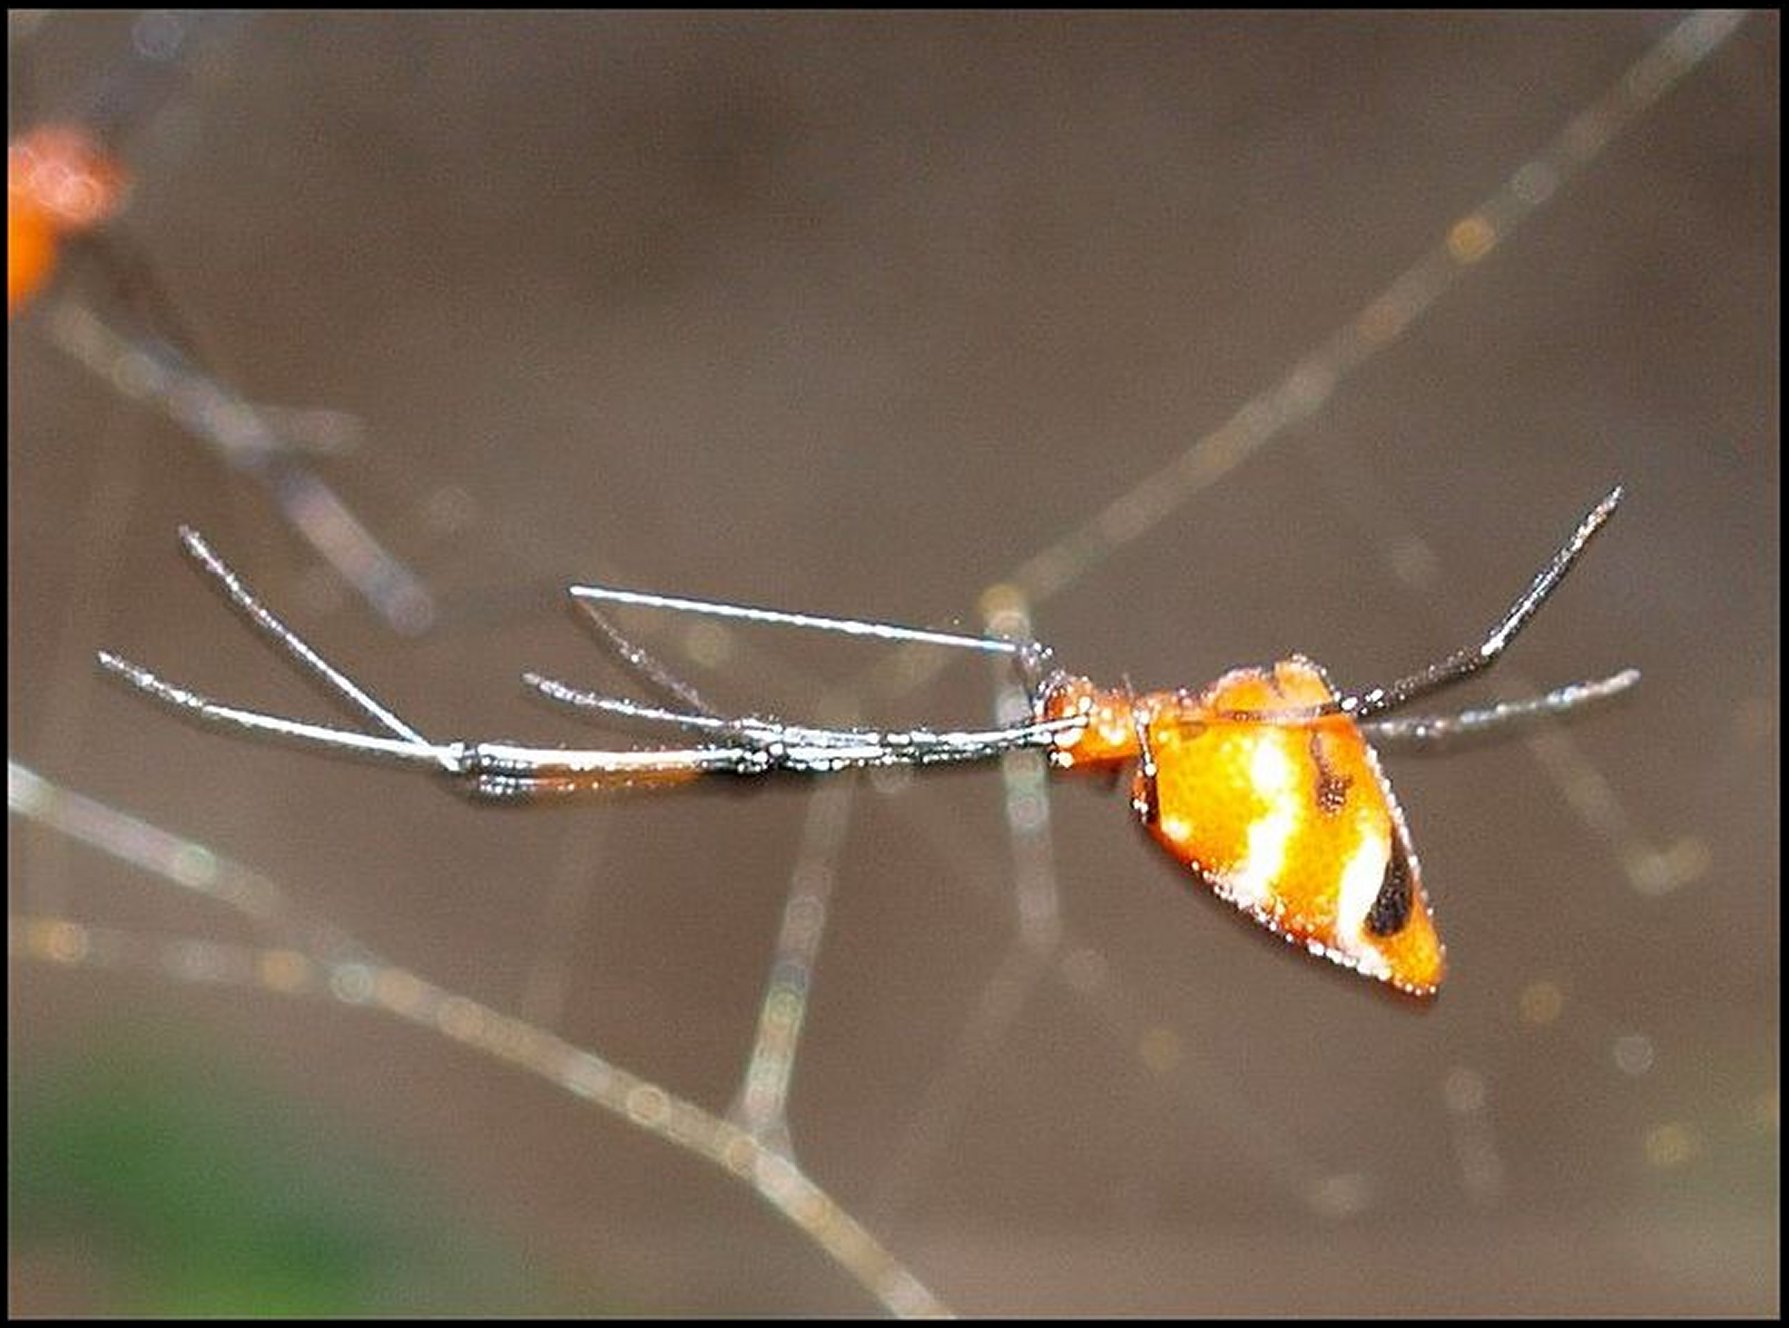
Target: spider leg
x,y
401,750
504,772
844,626
501,772
795,747
488,770
578,699
507,772
1031,658
405,745
1441,728
745,730
1037,668
644,664
1465,663
293,646
808,749
1146,800
948,747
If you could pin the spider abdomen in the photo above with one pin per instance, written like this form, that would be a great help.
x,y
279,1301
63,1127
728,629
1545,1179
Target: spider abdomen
x,y
1276,804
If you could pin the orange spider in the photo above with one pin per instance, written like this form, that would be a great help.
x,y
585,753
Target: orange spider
x,y
1264,784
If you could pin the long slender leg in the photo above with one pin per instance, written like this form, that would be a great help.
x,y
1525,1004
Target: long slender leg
x,y
578,698
748,730
1030,657
400,750
504,771
1441,728
646,665
1464,663
809,749
288,641
1467,662
844,626
494,770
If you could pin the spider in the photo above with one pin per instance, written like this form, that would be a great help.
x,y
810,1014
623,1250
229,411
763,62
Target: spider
x,y
1263,783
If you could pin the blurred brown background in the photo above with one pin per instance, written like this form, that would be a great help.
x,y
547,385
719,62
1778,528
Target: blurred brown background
x,y
855,315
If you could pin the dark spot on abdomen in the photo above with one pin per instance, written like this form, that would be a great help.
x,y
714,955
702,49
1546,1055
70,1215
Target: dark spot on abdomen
x,y
1391,908
1332,789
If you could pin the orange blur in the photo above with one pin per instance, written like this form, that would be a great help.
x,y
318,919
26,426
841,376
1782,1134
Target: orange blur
x,y
59,182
